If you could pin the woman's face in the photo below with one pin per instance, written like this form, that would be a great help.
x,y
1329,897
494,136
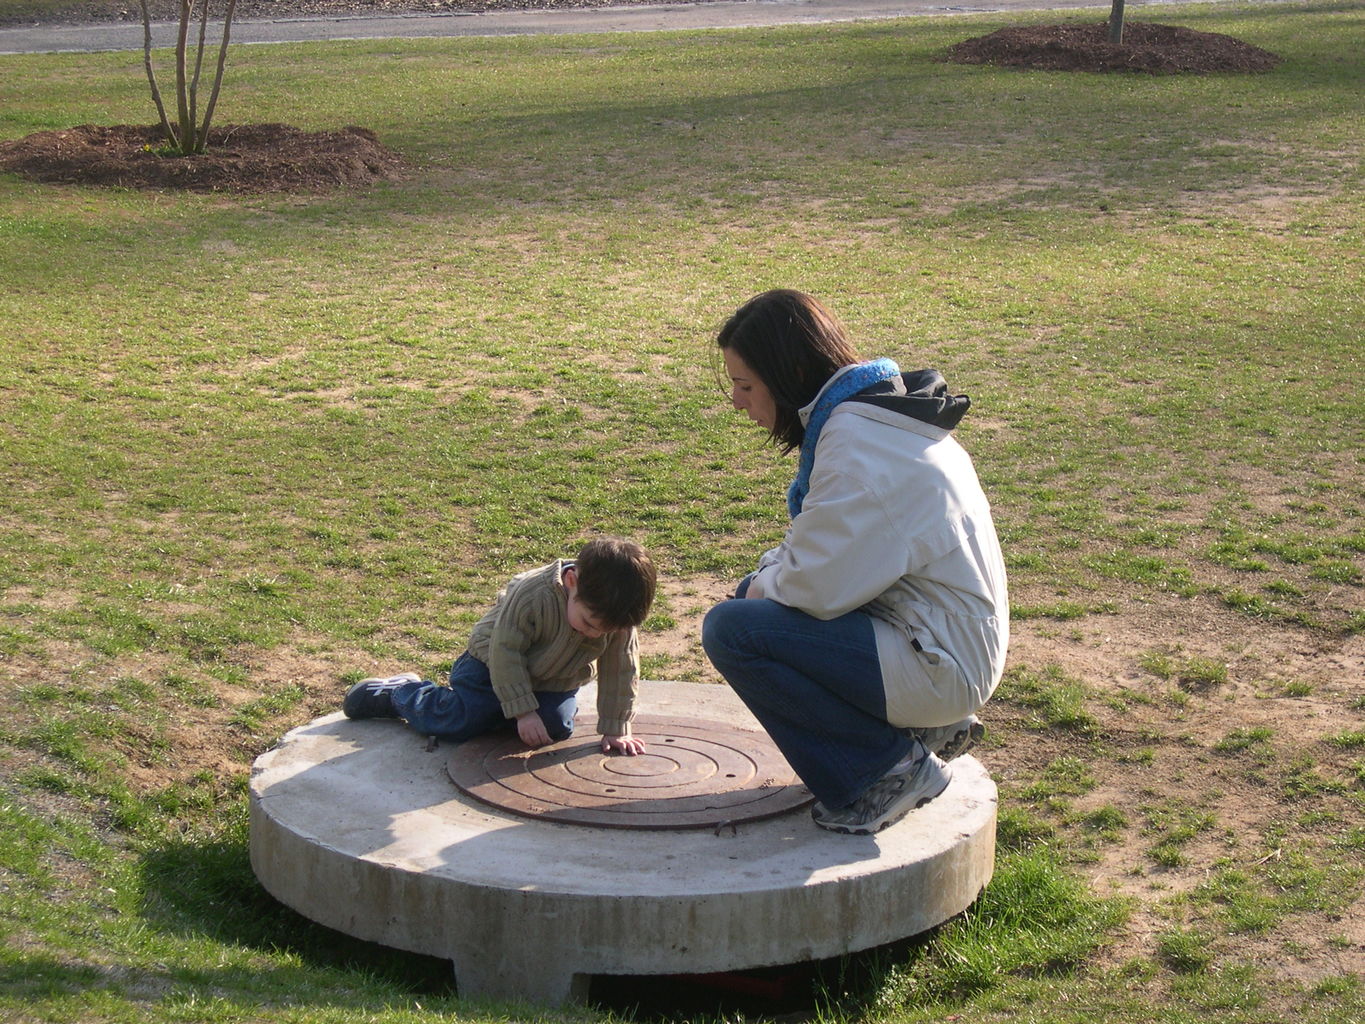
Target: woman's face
x,y
749,394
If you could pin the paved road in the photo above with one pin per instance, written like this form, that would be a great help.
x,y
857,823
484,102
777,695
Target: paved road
x,y
652,18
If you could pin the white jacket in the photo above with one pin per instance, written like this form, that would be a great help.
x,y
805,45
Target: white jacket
x,y
895,524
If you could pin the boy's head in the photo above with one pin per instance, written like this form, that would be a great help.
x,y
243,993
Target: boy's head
x,y
615,581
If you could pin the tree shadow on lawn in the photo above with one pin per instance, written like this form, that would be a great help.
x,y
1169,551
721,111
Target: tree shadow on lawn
x,y
208,890
281,158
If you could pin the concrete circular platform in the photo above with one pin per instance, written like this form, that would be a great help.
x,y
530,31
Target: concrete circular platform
x,y
358,826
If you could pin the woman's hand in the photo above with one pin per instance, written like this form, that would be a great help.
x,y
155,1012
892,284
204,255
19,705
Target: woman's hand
x,y
622,745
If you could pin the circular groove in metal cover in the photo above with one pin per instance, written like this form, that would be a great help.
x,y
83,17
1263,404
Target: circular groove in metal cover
x,y
693,774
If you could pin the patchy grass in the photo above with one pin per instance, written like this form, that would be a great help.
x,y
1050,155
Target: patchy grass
x,y
256,448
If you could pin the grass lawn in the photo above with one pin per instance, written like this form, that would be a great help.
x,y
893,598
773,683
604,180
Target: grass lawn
x,y
252,447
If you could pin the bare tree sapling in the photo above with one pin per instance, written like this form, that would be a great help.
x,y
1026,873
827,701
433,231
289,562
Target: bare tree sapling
x,y
190,132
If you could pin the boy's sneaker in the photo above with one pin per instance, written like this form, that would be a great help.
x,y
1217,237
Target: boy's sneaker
x,y
373,698
889,799
950,741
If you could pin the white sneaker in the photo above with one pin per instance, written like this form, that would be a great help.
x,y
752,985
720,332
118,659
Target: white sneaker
x,y
889,799
950,741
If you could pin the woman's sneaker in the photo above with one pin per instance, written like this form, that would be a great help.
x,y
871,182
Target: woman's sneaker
x,y
889,799
373,698
950,741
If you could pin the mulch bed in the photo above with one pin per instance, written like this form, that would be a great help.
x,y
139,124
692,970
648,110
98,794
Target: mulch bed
x,y
240,158
1154,49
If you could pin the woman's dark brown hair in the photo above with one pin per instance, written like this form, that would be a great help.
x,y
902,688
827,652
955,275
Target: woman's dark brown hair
x,y
794,345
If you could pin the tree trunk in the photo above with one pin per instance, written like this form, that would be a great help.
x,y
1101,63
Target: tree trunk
x,y
182,99
1116,23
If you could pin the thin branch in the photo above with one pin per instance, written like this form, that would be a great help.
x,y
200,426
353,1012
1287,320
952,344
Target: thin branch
x,y
198,67
151,74
218,77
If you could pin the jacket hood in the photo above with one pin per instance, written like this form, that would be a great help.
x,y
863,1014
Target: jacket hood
x,y
920,394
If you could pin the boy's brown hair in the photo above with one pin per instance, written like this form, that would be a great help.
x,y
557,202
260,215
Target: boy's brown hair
x,y
616,580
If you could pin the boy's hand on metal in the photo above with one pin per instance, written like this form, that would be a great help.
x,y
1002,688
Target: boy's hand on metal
x,y
532,730
622,745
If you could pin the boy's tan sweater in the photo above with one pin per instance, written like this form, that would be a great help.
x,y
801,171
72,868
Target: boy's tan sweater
x,y
527,643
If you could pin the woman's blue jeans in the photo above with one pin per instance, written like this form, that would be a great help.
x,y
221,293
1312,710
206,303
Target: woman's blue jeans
x,y
468,707
815,685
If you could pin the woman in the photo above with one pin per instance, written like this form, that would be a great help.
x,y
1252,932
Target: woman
x,y
867,640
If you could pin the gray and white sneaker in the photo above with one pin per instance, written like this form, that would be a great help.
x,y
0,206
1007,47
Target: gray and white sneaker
x,y
887,800
950,741
373,698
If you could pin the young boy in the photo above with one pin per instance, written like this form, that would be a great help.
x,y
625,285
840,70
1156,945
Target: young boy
x,y
549,632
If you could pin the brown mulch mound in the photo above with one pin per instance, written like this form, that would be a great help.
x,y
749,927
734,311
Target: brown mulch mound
x,y
240,158
1154,49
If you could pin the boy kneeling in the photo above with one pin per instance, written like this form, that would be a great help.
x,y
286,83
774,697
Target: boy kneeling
x,y
549,632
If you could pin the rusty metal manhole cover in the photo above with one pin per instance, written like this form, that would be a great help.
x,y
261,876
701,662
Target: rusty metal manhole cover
x,y
694,774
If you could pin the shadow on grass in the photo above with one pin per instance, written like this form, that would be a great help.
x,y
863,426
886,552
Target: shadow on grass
x,y
1033,919
206,889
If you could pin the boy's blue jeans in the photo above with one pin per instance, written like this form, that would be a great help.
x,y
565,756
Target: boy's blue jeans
x,y
468,707
815,686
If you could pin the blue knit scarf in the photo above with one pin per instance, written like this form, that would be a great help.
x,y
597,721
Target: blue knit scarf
x,y
859,378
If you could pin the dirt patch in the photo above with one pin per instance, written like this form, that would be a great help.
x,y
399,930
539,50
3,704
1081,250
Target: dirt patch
x,y
1239,770
240,158
1154,49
